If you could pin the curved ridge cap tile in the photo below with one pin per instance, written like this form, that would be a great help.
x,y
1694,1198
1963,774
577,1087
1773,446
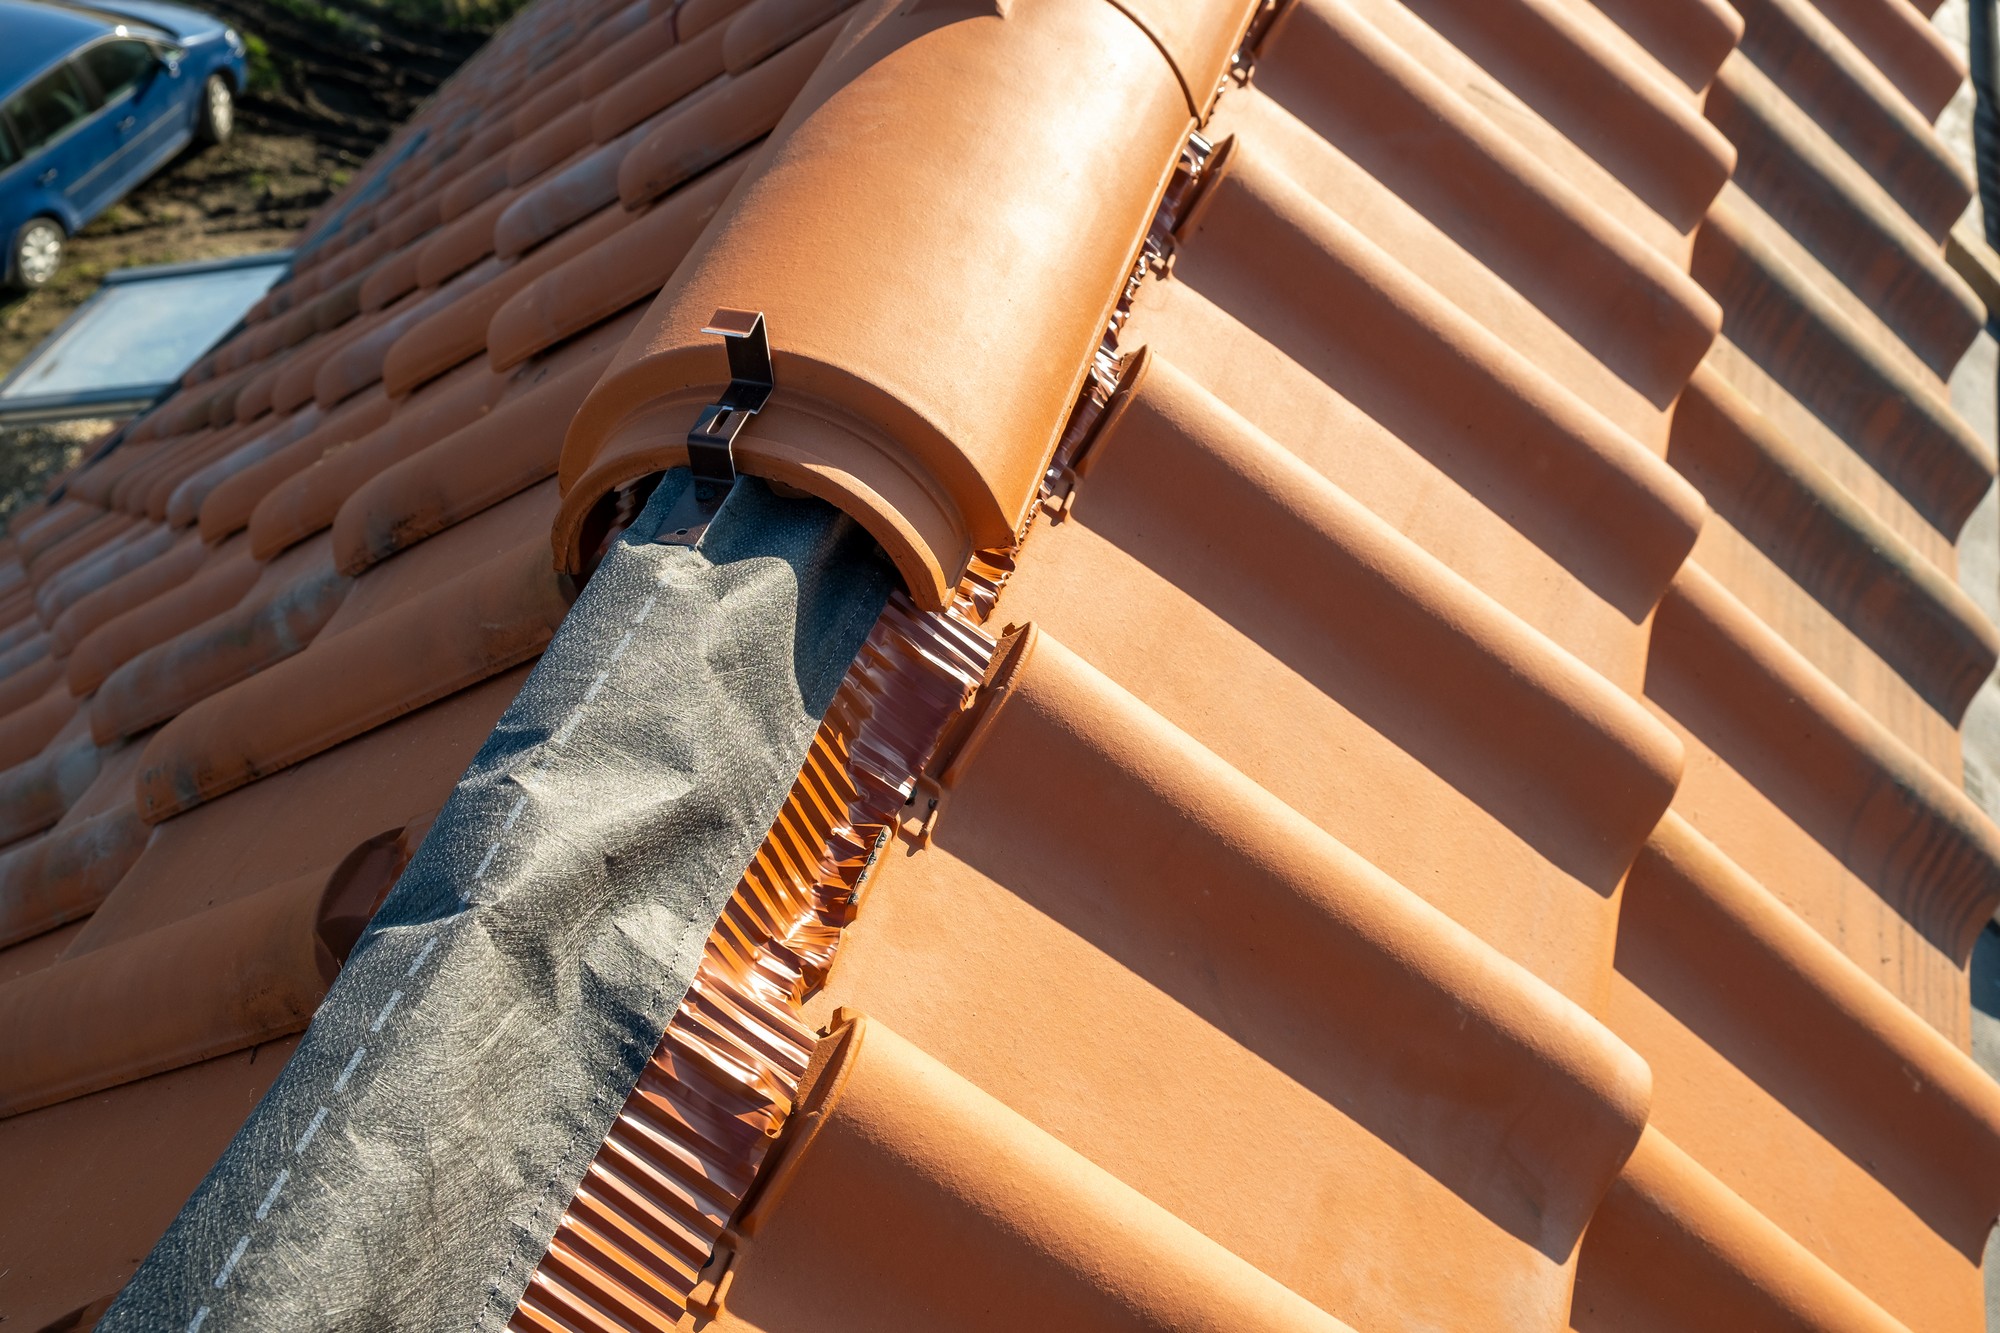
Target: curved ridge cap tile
x,y
496,615
37,793
1691,912
679,72
1904,428
1602,505
1795,172
458,332
905,1191
67,873
171,677
185,500
1617,295
1673,1247
132,589
1172,457
1903,607
1199,40
25,731
628,267
1606,102
306,502
206,592
733,114
229,504
238,974
1531,1080
1854,102
451,479
907,366
1843,777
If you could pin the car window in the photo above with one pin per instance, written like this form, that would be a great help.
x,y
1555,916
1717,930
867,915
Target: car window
x,y
8,157
51,105
116,65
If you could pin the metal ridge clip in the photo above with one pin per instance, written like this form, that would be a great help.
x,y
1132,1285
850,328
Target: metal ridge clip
x,y
711,443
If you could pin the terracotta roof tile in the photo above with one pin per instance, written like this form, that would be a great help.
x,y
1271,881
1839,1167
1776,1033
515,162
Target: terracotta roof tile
x,y
279,615
1495,515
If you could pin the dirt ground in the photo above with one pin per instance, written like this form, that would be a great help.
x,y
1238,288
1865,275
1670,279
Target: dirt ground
x,y
328,82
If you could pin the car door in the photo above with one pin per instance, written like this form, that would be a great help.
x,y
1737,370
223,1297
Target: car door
x,y
140,115
59,142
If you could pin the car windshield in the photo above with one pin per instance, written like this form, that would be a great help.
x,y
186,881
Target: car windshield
x,y
51,105
116,66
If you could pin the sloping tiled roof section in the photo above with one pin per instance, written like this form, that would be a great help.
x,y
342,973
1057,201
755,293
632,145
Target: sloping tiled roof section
x,y
1466,829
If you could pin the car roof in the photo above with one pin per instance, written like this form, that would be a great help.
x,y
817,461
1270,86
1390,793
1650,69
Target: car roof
x,y
38,35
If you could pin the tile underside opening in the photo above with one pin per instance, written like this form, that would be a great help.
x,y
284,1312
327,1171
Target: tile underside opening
x,y
636,1241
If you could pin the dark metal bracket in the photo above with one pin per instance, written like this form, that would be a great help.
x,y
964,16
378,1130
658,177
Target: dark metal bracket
x,y
711,443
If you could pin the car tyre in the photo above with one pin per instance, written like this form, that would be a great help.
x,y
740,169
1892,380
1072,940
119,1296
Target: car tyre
x,y
218,110
36,254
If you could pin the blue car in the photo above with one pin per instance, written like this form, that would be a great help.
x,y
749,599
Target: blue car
x,y
93,100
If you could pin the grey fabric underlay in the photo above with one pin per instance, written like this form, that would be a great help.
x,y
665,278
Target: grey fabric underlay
x,y
409,1166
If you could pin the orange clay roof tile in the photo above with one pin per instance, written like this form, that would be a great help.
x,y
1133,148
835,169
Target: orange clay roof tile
x,y
1608,103
457,333
741,109
305,502
1677,1245
293,599
213,587
1566,694
65,874
232,497
188,486
664,80
1649,321
469,470
24,731
36,793
456,634
245,972
1913,837
591,286
131,589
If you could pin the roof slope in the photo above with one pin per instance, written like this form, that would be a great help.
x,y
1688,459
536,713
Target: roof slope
x,y
1462,825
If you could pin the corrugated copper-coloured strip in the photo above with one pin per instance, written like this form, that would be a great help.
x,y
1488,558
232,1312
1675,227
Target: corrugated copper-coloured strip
x,y
628,1252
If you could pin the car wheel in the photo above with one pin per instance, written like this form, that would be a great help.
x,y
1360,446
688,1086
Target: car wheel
x,y
37,253
218,110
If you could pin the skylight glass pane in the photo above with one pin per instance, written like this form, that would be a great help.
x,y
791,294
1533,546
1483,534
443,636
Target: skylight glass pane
x,y
143,331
